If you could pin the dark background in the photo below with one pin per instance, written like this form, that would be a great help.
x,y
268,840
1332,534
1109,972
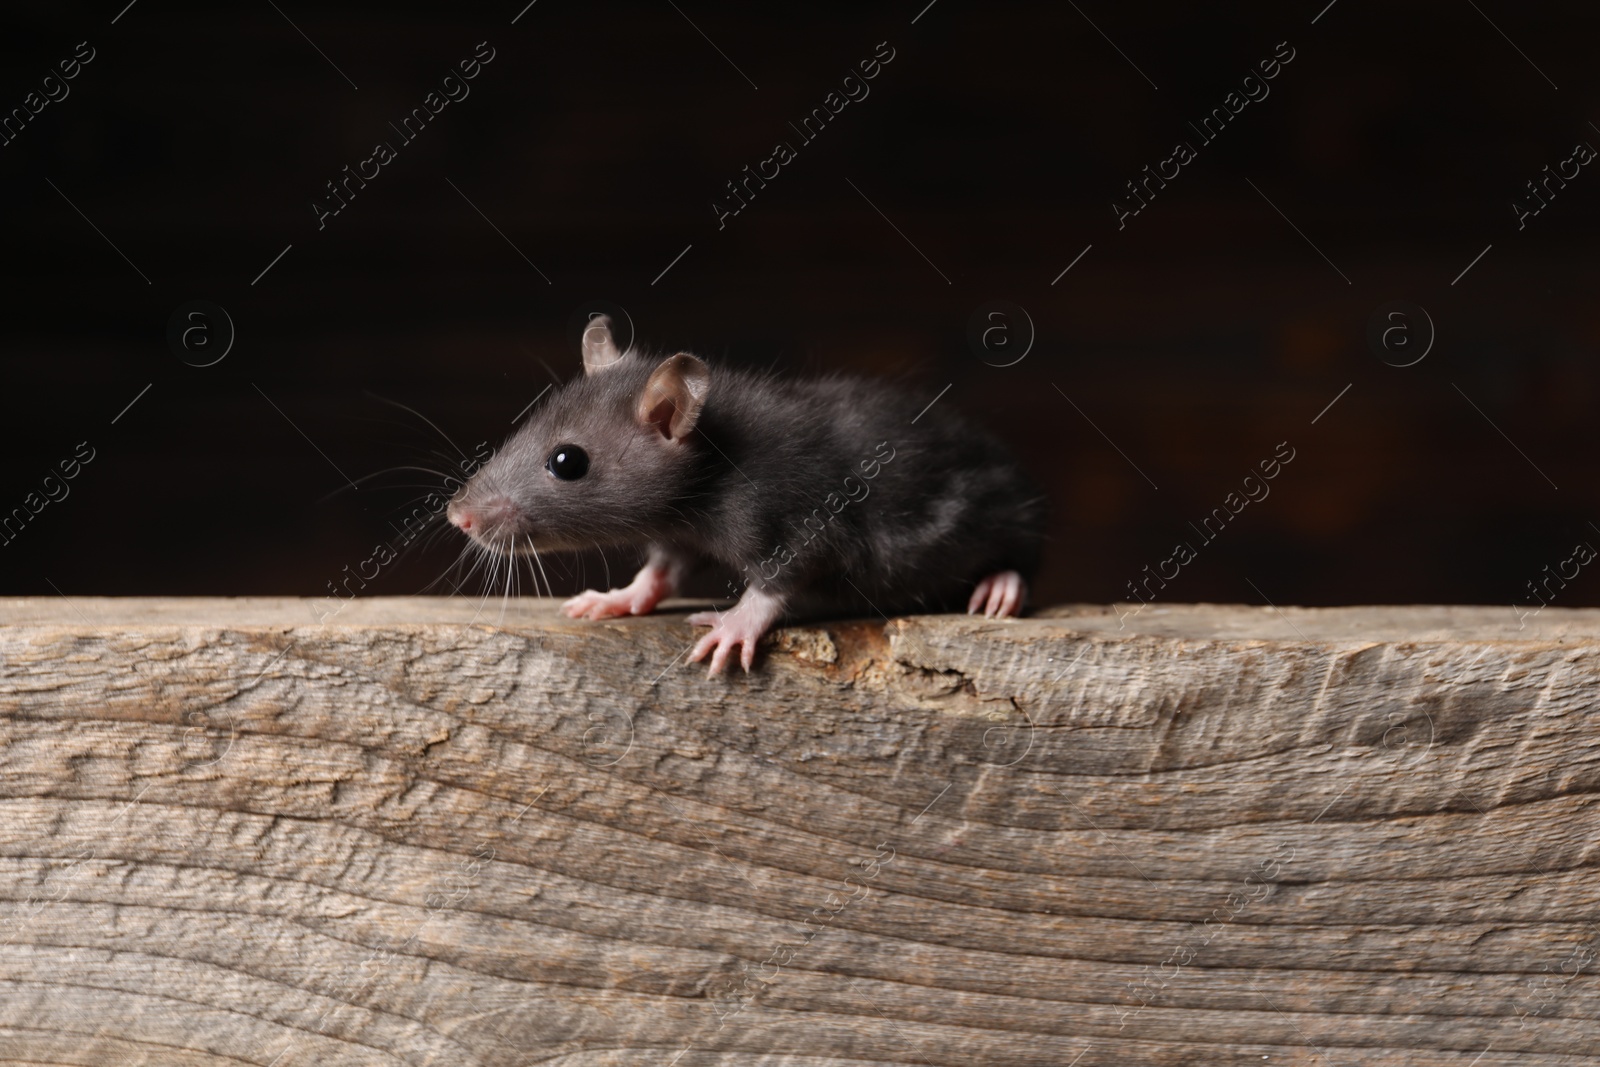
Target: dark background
x,y
1196,338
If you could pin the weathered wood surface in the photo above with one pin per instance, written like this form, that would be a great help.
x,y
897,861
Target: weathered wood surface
x,y
423,833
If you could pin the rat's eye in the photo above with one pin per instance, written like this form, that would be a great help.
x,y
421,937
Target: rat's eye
x,y
568,462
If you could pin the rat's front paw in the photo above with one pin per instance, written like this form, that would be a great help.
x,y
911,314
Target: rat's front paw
x,y
729,629
590,604
639,597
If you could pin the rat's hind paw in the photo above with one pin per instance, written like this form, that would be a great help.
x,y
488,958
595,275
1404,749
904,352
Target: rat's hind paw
x,y
999,594
727,632
742,625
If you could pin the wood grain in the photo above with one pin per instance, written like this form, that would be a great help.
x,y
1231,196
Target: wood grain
x,y
445,832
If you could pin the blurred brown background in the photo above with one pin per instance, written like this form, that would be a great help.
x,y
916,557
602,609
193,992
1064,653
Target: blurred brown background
x,y
1212,327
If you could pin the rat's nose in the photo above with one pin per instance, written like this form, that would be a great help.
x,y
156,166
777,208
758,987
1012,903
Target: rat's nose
x,y
481,517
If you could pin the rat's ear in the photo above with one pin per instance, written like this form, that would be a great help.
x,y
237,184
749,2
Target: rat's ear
x,y
599,350
673,396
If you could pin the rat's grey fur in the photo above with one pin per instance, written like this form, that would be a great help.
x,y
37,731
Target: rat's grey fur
x,y
949,508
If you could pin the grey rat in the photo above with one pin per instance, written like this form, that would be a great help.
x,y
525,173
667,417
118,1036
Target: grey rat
x,y
825,496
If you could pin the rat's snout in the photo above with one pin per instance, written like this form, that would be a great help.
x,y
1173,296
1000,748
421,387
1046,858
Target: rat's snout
x,y
490,519
460,516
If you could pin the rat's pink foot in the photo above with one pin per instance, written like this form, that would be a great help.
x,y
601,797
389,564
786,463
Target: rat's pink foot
x,y
742,626
649,587
999,594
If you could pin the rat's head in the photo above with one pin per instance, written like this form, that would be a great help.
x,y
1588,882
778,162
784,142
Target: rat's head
x,y
600,462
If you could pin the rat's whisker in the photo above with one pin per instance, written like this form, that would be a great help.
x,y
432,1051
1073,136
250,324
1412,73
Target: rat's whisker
x,y
420,540
417,541
479,559
356,483
474,560
457,568
540,563
511,570
432,489
434,471
606,563
489,584
444,574
532,577
425,446
421,416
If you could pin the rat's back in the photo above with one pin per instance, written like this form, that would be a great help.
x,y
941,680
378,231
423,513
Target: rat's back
x,y
857,495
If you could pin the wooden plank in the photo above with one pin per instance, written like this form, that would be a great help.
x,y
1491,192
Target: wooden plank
x,y
441,831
